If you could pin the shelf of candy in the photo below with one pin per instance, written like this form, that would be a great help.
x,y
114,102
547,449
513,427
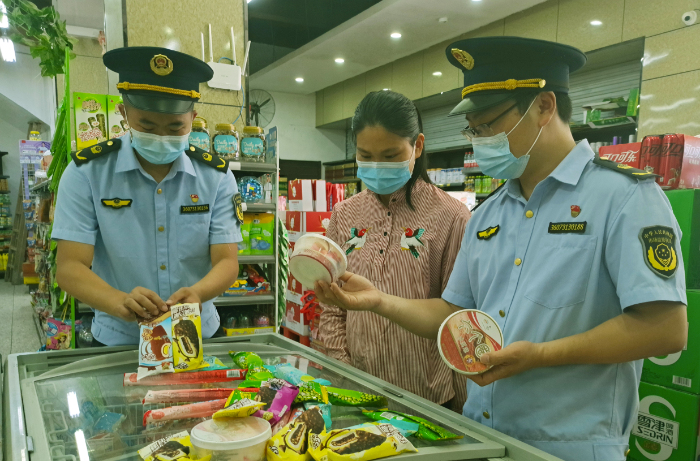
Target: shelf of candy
x,y
252,281
246,320
5,224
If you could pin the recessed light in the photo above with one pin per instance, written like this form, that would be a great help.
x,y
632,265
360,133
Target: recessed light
x,y
442,20
476,0
299,79
396,35
595,22
339,60
437,74
385,89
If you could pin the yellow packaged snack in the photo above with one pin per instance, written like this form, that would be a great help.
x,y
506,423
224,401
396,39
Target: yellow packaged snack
x,y
175,447
291,443
239,405
359,444
187,337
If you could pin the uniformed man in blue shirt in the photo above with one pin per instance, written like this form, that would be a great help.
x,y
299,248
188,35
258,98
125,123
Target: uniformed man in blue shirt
x,y
576,258
146,221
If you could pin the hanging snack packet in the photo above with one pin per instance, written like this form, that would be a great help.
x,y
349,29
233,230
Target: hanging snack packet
x,y
359,444
291,443
195,377
192,410
278,396
187,336
174,447
246,359
185,395
426,431
155,346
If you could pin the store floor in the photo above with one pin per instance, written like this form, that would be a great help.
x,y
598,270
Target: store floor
x,y
17,330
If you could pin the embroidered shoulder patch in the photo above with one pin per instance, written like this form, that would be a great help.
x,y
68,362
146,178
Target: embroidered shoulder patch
x,y
488,233
658,244
238,206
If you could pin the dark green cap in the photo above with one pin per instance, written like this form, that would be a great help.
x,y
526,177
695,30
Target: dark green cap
x,y
158,79
496,68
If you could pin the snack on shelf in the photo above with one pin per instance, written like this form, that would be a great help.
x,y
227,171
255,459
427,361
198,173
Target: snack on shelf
x,y
359,444
175,447
427,430
185,395
187,336
192,410
291,443
278,396
194,377
246,360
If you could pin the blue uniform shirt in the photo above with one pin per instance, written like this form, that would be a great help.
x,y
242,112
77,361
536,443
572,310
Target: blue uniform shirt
x,y
541,286
149,243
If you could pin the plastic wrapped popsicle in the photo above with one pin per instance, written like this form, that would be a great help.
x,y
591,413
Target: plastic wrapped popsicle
x,y
465,336
315,258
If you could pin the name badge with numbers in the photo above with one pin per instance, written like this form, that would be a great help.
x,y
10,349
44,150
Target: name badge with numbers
x,y
187,209
567,227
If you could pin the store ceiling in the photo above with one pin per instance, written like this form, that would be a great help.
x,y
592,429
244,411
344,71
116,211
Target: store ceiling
x,y
364,41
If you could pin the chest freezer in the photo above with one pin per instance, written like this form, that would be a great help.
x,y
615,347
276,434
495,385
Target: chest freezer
x,y
46,396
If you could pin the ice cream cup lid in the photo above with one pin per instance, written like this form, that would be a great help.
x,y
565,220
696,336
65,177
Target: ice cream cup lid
x,y
230,433
465,336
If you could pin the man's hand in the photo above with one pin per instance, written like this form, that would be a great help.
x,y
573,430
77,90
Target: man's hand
x,y
141,302
357,294
184,295
509,361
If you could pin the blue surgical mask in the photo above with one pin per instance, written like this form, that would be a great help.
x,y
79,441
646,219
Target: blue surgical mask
x,y
385,178
159,150
494,157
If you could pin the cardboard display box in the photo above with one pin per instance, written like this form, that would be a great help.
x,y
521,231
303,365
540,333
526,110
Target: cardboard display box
x,y
667,425
301,196
627,154
316,222
686,208
293,223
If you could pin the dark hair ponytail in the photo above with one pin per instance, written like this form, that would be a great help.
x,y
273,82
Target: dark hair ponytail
x,y
398,115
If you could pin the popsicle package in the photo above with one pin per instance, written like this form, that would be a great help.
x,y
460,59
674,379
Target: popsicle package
x,y
174,447
155,346
426,431
239,405
278,396
291,443
185,395
192,410
362,443
187,336
194,377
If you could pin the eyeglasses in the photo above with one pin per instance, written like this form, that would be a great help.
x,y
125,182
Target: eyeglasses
x,y
484,130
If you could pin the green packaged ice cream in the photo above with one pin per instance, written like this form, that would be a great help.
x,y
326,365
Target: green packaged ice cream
x,y
315,392
246,360
427,430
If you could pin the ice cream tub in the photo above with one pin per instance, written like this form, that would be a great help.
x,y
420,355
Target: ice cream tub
x,y
465,336
316,258
231,439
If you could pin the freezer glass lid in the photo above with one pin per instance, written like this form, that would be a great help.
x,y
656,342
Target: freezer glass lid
x,y
91,415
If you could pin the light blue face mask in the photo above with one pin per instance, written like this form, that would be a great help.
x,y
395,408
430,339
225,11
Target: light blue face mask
x,y
159,150
494,158
385,178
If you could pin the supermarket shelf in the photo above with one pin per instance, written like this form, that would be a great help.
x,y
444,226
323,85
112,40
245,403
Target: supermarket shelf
x,y
40,186
259,207
253,166
39,329
256,259
344,180
475,170
240,300
454,184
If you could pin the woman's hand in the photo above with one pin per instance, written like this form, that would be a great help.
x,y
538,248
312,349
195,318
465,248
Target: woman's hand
x,y
357,294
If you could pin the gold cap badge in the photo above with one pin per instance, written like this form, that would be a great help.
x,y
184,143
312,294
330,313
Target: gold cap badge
x,y
161,65
464,58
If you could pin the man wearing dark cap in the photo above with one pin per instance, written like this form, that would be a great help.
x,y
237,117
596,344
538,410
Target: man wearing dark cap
x,y
146,221
576,258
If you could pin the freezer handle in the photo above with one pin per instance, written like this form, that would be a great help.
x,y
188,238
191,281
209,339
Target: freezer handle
x,y
393,392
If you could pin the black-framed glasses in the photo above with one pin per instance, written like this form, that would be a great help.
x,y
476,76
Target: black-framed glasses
x,y
484,130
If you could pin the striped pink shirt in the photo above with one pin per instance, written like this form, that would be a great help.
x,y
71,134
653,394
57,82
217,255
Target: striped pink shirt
x,y
413,264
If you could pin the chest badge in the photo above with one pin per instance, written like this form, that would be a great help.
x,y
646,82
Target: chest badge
x,y
575,211
410,241
116,202
488,233
194,197
357,239
659,243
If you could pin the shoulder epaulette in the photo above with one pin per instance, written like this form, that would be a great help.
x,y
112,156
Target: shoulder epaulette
x,y
622,168
498,189
98,150
207,158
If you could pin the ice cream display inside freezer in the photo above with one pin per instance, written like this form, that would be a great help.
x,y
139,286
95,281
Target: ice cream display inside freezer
x,y
93,409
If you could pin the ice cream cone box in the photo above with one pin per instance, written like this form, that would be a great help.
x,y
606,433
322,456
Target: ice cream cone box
x,y
627,154
316,222
667,425
680,371
117,126
686,208
690,171
294,225
319,191
295,320
90,112
300,194
294,290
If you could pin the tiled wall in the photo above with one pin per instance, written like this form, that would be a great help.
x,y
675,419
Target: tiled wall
x,y
564,21
178,25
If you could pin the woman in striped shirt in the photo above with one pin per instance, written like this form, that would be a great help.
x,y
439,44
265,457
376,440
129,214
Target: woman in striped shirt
x,y
403,234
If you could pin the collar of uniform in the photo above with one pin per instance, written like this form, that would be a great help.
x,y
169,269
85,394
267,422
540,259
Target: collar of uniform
x,y
400,195
127,160
570,169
